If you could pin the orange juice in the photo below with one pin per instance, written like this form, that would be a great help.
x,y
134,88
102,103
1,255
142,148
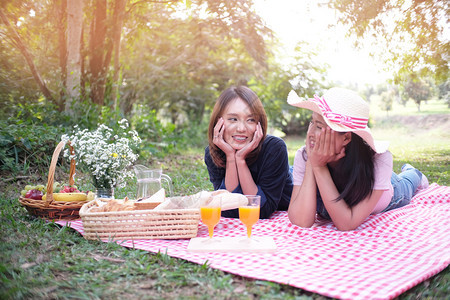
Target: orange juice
x,y
210,217
249,215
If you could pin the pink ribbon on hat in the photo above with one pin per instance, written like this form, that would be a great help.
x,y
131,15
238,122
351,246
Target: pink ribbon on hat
x,y
351,122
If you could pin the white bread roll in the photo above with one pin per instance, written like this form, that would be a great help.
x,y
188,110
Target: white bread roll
x,y
229,200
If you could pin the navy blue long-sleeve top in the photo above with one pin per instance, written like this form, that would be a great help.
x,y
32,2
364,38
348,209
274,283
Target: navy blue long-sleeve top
x,y
270,172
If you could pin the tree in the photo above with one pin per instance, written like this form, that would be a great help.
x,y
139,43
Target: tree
x,y
417,89
386,100
20,44
444,92
198,46
72,66
304,75
186,60
411,32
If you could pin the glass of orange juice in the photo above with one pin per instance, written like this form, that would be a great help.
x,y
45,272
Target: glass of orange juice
x,y
210,214
249,214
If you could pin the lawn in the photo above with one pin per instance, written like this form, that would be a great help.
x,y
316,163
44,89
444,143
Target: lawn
x,y
44,261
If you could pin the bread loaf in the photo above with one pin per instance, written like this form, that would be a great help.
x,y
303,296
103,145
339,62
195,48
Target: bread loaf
x,y
228,200
113,205
151,202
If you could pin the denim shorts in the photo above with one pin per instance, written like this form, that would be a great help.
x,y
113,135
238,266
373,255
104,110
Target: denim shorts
x,y
405,185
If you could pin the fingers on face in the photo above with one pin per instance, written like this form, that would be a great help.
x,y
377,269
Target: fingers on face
x,y
328,141
325,140
320,139
218,129
259,129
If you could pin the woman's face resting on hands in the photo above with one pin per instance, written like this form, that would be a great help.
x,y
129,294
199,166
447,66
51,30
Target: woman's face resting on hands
x,y
317,127
239,124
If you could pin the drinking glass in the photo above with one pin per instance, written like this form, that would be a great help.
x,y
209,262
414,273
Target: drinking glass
x,y
249,214
210,214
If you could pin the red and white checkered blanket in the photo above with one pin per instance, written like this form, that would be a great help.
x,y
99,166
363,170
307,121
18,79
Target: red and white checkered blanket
x,y
387,255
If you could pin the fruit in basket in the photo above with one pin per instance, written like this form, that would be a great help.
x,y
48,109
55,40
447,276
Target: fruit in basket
x,y
56,187
90,196
68,197
69,189
40,187
33,194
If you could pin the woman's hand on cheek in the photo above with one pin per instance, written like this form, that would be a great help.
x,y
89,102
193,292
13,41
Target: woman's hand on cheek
x,y
257,136
218,140
324,149
307,144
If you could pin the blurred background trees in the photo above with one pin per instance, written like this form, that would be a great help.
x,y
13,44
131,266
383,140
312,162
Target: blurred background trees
x,y
162,64
412,36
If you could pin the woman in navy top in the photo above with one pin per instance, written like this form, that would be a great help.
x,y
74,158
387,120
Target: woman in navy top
x,y
241,157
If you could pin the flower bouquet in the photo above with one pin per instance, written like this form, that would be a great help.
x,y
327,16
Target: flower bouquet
x,y
105,153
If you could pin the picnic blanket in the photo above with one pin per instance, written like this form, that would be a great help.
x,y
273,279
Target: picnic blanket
x,y
385,256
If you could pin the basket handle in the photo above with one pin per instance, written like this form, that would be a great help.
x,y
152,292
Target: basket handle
x,y
51,172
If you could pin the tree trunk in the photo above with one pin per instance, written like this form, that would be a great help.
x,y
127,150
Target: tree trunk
x,y
74,26
62,14
97,44
83,78
24,50
119,15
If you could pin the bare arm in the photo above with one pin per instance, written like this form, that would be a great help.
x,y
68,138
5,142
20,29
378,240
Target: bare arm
x,y
302,208
343,217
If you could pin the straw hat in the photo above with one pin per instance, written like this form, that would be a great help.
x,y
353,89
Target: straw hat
x,y
343,110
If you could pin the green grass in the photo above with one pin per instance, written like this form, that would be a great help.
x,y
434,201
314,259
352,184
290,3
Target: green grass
x,y
432,106
44,261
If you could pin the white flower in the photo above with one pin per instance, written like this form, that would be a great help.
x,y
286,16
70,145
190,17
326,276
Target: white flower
x,y
106,154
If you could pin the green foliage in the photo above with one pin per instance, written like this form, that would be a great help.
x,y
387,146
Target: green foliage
x,y
175,57
23,146
194,135
23,110
162,138
157,139
444,91
185,62
416,89
387,98
304,75
29,133
410,34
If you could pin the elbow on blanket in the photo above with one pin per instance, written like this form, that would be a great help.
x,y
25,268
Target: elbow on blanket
x,y
301,221
346,226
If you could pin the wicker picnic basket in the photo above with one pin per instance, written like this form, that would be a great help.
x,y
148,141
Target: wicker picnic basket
x,y
49,208
139,224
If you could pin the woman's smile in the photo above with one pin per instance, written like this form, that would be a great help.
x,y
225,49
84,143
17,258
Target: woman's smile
x,y
240,138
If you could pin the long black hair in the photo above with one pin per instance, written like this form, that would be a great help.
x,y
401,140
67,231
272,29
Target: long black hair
x,y
354,174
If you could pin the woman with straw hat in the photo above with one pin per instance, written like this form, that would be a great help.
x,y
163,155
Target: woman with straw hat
x,y
341,173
